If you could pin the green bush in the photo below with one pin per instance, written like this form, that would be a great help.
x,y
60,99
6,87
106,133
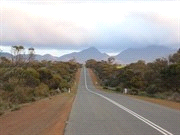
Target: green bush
x,y
14,72
26,83
64,84
54,83
160,95
142,93
32,82
152,89
119,89
8,87
42,90
135,91
21,95
32,72
13,80
45,75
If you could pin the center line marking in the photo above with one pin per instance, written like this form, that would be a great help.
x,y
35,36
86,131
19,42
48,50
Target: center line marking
x,y
158,128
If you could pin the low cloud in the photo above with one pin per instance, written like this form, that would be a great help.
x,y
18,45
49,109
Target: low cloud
x,y
108,26
20,25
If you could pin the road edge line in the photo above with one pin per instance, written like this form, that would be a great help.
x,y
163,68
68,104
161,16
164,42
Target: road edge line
x,y
158,128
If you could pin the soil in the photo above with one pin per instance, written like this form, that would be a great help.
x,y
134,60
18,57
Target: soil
x,y
167,103
95,79
44,117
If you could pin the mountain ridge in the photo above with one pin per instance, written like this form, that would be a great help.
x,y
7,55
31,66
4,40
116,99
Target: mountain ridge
x,y
84,55
148,53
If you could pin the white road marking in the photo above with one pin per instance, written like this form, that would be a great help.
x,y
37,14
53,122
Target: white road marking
x,y
158,128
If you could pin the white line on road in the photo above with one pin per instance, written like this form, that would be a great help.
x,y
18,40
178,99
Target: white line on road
x,y
158,128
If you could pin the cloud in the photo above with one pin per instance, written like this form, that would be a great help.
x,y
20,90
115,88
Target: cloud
x,y
23,25
108,25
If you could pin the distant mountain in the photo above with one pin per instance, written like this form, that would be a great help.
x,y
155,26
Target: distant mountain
x,y
149,53
84,55
37,56
5,54
47,57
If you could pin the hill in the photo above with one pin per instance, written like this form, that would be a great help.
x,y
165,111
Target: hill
x,y
84,55
148,54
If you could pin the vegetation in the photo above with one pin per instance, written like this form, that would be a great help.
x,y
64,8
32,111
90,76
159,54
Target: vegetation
x,y
25,80
160,78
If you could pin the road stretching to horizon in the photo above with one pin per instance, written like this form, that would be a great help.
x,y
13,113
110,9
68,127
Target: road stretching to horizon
x,y
97,112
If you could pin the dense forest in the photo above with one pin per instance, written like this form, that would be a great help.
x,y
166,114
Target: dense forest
x,y
160,78
25,80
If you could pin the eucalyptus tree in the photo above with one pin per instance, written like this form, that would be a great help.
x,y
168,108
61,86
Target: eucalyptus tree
x,y
16,51
31,54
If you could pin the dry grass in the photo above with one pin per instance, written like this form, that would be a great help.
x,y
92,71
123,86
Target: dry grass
x,y
167,103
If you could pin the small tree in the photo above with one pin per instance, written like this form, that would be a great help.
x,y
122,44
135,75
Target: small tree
x,y
16,51
31,56
111,60
175,58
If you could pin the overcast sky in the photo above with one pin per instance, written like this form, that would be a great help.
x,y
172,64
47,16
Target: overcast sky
x,y
60,27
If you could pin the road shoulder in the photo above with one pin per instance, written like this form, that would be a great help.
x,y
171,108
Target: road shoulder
x,y
167,103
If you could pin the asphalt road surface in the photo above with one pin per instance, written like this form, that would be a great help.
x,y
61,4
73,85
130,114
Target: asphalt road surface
x,y
96,112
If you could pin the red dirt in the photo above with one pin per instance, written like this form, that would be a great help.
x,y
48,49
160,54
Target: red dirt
x,y
94,78
45,117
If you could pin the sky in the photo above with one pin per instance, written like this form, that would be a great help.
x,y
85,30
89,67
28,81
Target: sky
x,y
59,27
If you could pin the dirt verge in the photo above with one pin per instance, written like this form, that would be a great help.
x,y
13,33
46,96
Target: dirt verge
x,y
95,79
167,103
44,117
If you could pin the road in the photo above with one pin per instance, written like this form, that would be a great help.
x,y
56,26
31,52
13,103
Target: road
x,y
98,112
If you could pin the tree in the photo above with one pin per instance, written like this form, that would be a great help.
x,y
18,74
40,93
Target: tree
x,y
16,50
111,60
73,60
13,52
0,52
4,60
175,58
91,63
171,77
31,54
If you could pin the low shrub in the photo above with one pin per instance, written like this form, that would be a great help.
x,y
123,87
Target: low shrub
x,y
54,82
64,84
119,89
15,107
8,87
21,95
42,90
45,75
32,82
32,72
3,106
133,91
142,93
152,89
